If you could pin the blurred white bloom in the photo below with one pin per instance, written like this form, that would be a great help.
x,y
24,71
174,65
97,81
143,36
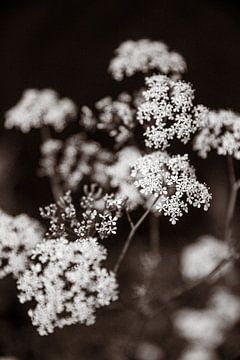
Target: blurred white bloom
x,y
73,160
117,117
200,258
221,134
172,181
18,236
67,282
201,327
197,352
226,305
38,108
145,56
169,112
120,178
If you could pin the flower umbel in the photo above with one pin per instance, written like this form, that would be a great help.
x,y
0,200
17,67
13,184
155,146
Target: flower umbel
x,y
169,112
67,282
38,108
172,180
145,56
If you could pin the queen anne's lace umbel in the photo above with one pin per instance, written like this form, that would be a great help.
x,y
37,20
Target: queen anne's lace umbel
x,y
120,179
145,56
67,282
201,257
168,112
172,181
38,108
73,160
18,236
221,134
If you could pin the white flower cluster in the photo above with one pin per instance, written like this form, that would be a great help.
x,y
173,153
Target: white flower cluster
x,y
73,160
18,236
115,117
197,352
99,215
205,328
119,174
201,257
38,108
169,112
222,134
145,56
67,282
172,181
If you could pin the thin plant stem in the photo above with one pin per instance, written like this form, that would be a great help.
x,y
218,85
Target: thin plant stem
x,y
234,187
54,179
129,219
131,235
154,233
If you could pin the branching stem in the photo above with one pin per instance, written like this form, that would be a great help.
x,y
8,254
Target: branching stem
x,y
131,235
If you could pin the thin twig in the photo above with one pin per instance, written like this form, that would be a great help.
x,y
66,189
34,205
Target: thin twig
x,y
234,187
130,236
129,219
54,179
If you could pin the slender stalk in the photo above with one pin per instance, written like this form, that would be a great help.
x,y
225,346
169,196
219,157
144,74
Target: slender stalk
x,y
54,180
234,187
154,233
130,236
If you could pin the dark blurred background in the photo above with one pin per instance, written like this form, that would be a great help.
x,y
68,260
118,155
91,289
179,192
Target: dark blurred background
x,y
66,45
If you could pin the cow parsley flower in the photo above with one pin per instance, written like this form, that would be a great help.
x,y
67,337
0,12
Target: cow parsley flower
x,y
117,118
99,215
200,258
18,236
221,134
198,352
226,305
145,56
67,282
73,160
172,181
169,112
38,108
200,327
119,174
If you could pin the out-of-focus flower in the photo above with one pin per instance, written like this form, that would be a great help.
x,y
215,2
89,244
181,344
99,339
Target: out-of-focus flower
x,y
201,257
145,56
73,160
114,117
226,305
222,134
201,327
38,108
67,282
197,352
172,181
169,112
120,178
18,236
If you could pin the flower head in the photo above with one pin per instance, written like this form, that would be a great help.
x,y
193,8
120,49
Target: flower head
x,y
67,282
169,112
172,181
145,56
73,160
221,134
38,108
18,236
201,257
